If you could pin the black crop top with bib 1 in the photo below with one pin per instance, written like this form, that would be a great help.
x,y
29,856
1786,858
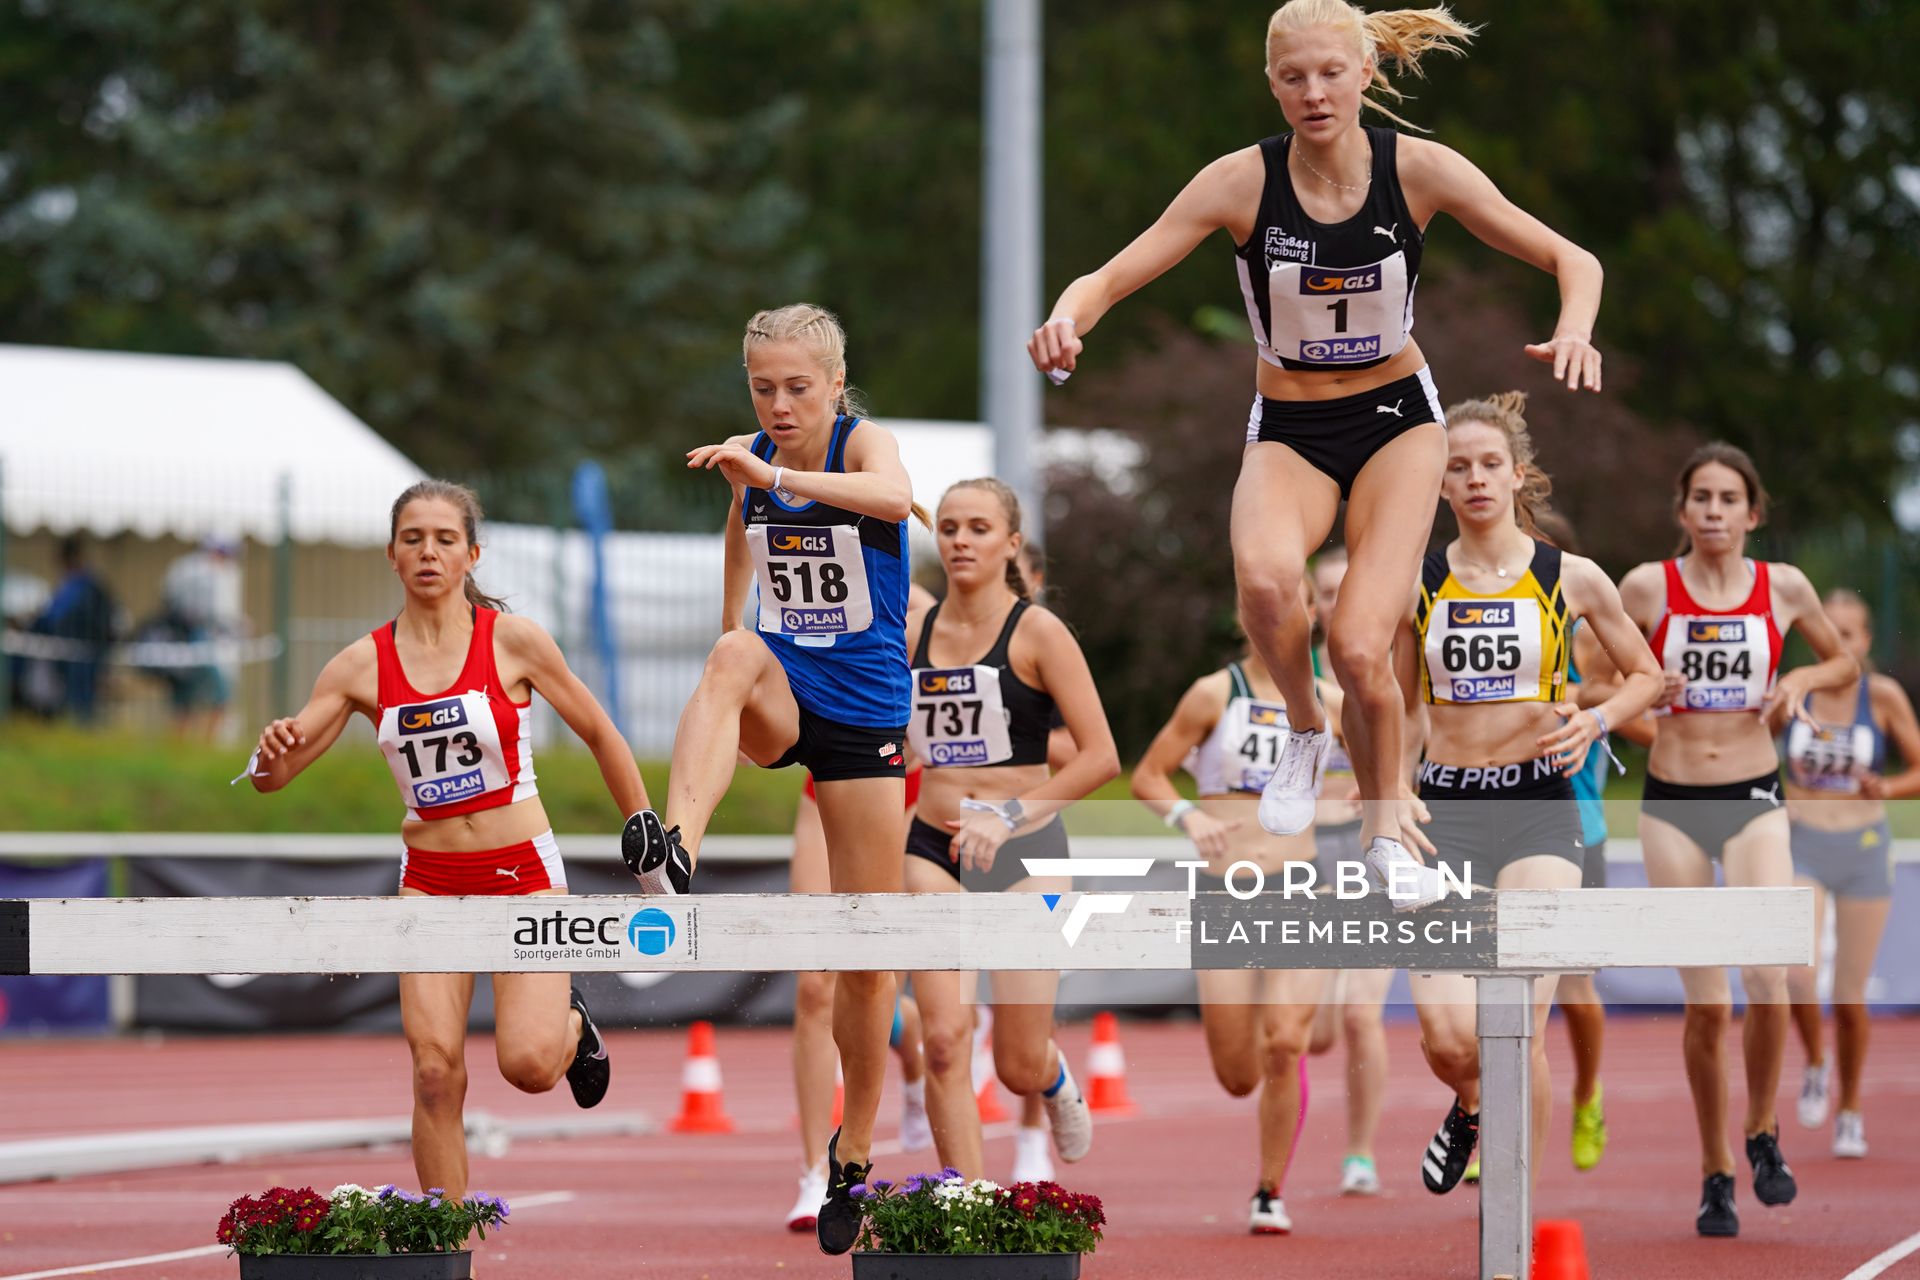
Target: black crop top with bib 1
x,y
1331,295
965,717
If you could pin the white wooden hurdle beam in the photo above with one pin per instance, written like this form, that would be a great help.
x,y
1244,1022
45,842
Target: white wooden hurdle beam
x,y
1505,940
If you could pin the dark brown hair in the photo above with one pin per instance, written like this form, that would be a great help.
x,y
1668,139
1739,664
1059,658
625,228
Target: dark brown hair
x,y
468,504
1010,503
1734,458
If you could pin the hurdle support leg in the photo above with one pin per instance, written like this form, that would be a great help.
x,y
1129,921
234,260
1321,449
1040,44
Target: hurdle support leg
x,y
1505,1027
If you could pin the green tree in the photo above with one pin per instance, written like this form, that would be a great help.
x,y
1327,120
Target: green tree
x,y
488,228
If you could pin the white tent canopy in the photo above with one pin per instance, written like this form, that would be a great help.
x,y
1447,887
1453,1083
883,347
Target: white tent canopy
x,y
110,442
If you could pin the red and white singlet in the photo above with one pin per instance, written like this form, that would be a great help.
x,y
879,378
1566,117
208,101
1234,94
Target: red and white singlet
x,y
1728,657
467,748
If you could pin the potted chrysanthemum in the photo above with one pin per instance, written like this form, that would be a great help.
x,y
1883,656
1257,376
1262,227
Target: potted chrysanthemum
x,y
357,1233
943,1227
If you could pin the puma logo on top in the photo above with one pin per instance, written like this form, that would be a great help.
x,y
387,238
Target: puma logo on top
x,y
1388,232
1393,408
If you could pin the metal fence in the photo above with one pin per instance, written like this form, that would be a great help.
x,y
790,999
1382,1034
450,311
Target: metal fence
x,y
107,640
308,575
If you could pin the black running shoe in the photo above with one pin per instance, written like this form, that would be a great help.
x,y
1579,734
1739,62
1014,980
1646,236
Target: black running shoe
x,y
1717,1217
653,853
591,1069
838,1224
1451,1148
1772,1181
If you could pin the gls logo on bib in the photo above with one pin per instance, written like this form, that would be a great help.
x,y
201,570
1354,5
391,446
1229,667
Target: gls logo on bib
x,y
1461,614
786,540
946,681
449,714
1365,280
1717,632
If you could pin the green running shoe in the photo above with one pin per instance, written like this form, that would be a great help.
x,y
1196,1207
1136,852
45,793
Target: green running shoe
x,y
1589,1132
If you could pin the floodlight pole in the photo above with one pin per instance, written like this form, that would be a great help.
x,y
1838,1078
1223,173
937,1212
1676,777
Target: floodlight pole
x,y
1010,389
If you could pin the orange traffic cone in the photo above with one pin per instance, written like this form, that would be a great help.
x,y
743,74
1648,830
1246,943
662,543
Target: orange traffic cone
x,y
1107,1069
701,1110
986,1080
1559,1251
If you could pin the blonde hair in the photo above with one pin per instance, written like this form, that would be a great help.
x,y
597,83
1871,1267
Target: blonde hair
x,y
1400,36
815,328
467,503
1506,413
818,329
1009,503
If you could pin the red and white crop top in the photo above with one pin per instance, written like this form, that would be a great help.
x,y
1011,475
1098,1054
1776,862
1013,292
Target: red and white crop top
x,y
1728,657
464,749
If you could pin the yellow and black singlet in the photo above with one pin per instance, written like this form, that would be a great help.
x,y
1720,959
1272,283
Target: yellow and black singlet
x,y
1508,647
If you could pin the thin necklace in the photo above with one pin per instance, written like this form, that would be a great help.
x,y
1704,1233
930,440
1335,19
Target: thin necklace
x,y
1341,185
1499,570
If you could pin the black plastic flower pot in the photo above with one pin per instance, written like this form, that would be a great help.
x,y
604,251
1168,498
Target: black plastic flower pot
x,y
874,1265
359,1266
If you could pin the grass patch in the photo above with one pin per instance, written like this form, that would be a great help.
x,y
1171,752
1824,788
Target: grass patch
x,y
62,779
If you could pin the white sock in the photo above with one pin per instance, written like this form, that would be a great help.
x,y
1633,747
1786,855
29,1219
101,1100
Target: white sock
x,y
915,1092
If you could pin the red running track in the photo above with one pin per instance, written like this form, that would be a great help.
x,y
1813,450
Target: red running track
x,y
1175,1178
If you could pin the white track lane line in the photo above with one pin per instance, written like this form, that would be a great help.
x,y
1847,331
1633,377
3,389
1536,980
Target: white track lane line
x,y
181,1255
1865,1271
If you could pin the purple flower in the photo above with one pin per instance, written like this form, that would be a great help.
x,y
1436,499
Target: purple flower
x,y
386,1191
880,1184
914,1183
436,1191
409,1197
859,1191
949,1172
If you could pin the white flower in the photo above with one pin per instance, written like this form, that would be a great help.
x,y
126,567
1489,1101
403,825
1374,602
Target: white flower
x,y
980,1186
348,1189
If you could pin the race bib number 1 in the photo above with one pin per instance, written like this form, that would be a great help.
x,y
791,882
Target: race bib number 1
x,y
813,579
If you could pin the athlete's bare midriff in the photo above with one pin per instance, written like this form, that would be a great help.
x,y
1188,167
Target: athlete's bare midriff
x,y
1481,735
509,824
1275,383
1248,841
1704,749
942,790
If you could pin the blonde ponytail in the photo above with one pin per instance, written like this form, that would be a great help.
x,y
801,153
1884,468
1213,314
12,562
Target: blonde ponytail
x,y
1399,36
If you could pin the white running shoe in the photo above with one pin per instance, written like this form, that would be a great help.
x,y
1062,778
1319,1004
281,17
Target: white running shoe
x,y
1383,855
1267,1216
806,1208
916,1132
1032,1155
1850,1136
1358,1177
1287,801
1814,1096
1070,1118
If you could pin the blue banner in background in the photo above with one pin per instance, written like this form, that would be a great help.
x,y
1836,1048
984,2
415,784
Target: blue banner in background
x,y
54,1002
